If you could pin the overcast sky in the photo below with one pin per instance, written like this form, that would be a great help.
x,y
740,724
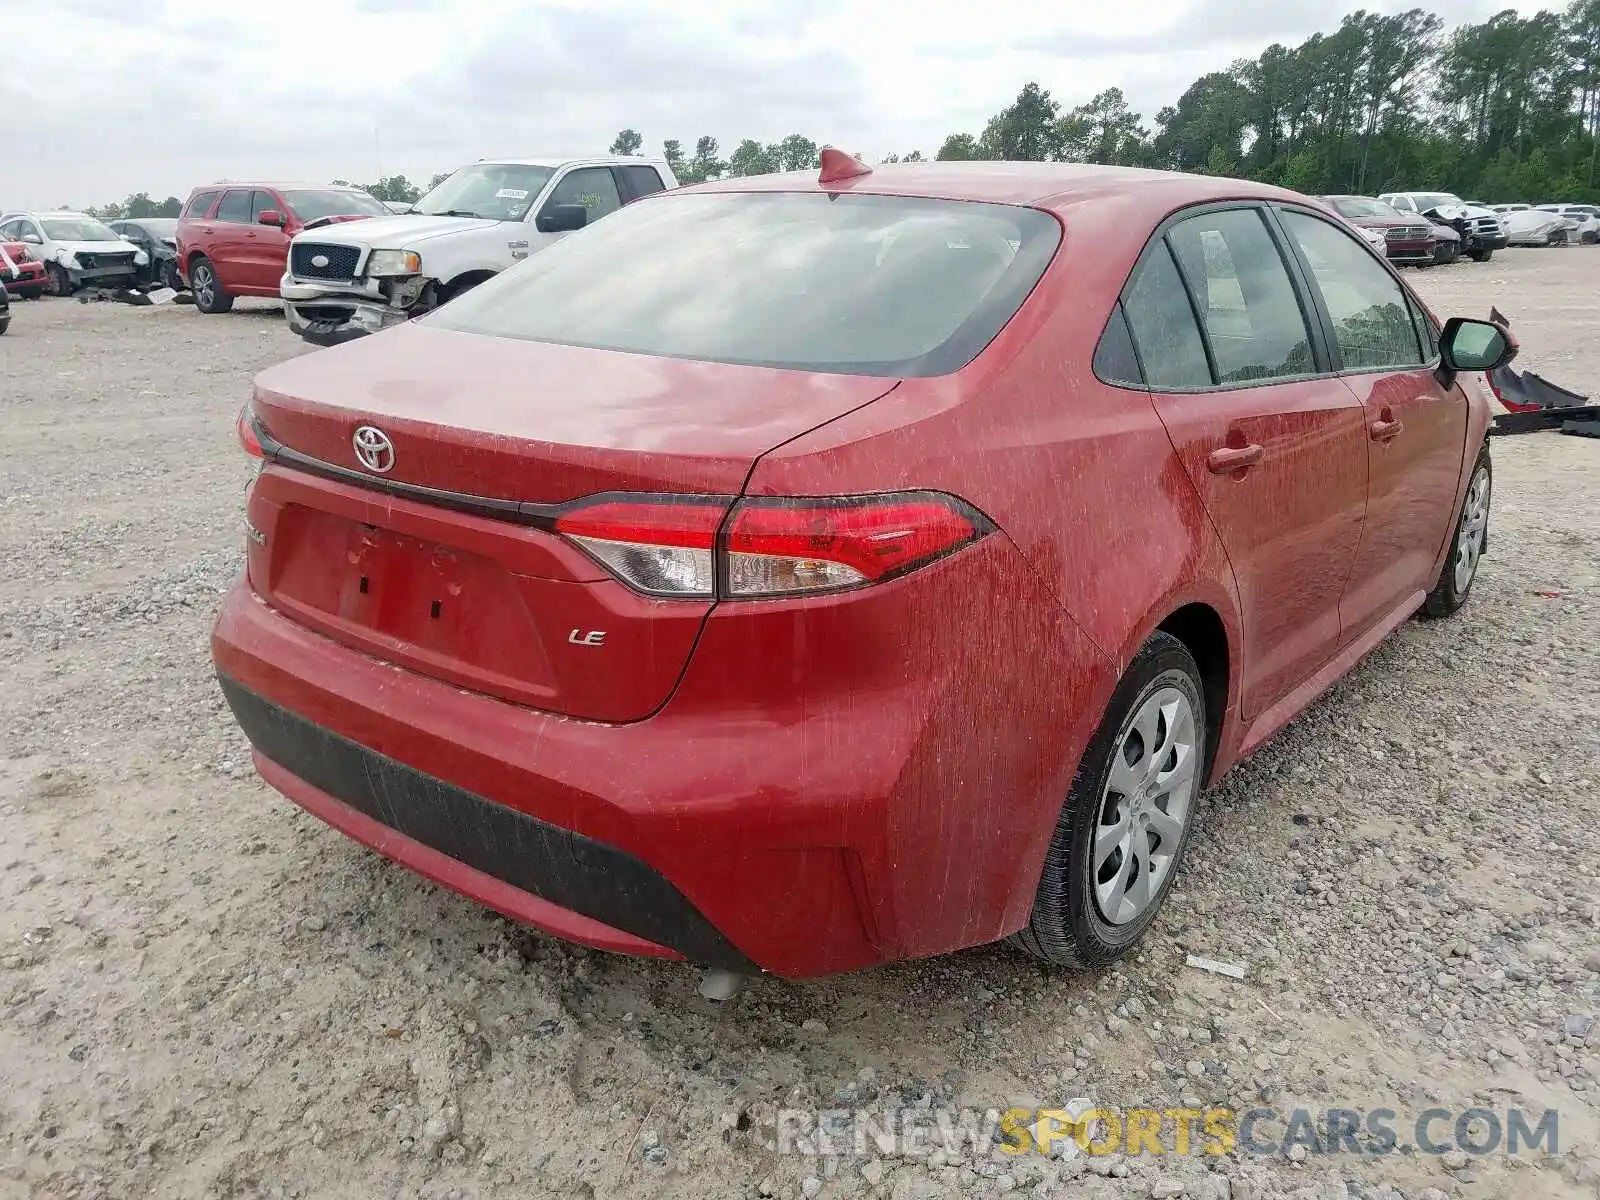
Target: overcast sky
x,y
114,96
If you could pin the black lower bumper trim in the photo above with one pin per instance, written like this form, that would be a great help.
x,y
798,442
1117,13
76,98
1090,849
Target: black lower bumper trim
x,y
565,868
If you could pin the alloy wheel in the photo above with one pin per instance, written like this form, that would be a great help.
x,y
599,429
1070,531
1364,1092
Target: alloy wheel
x,y
1474,524
205,284
1145,806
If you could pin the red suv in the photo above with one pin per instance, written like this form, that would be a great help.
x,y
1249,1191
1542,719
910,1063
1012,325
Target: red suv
x,y
233,238
803,573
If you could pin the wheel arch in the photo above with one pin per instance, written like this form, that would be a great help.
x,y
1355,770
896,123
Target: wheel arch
x,y
1201,629
466,279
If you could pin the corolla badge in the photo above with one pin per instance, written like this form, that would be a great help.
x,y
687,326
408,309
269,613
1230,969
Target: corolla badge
x,y
319,260
374,450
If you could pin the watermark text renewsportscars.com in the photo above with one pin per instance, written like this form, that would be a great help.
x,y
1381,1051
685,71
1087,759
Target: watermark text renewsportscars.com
x,y
1082,1127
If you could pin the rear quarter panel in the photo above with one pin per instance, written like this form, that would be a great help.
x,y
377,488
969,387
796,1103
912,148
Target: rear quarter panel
x,y
1080,476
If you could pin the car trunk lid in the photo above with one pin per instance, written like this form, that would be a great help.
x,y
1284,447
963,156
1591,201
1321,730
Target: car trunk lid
x,y
445,562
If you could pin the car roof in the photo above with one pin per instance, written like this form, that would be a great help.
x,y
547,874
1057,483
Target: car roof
x,y
274,184
39,213
1037,185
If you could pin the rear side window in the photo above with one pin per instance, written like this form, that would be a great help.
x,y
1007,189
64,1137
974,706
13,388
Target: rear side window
x,y
1163,325
641,182
1372,323
199,204
1248,305
848,284
1114,358
235,206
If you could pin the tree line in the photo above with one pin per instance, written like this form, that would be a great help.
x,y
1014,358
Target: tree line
x,y
1507,110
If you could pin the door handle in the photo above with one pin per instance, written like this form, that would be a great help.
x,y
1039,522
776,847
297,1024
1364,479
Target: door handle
x,y
1226,459
1386,428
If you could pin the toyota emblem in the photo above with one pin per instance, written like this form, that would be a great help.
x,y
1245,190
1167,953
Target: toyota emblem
x,y
319,260
374,450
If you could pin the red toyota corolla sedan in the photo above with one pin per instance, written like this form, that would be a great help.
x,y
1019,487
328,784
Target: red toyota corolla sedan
x,y
799,573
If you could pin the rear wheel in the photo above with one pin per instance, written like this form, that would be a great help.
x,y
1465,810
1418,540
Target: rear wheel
x,y
1127,818
1460,568
208,294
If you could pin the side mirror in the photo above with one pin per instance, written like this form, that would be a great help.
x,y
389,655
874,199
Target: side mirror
x,y
562,218
1468,345
271,216
33,238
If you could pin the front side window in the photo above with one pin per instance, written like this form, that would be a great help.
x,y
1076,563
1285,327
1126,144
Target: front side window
x,y
593,187
1372,323
493,191
1163,325
1248,305
865,285
235,207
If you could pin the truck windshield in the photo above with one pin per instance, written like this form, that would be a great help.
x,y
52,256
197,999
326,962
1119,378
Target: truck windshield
x,y
856,285
1357,207
493,191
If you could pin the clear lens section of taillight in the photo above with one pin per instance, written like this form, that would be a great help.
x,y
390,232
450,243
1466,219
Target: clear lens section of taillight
x,y
788,546
659,546
245,427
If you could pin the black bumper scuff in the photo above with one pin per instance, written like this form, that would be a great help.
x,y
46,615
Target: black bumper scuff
x,y
565,868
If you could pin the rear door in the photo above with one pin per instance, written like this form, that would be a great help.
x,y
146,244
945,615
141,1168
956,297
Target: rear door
x,y
229,249
1274,443
1384,344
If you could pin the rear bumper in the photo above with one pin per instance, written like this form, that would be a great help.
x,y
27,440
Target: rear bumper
x,y
808,801
32,277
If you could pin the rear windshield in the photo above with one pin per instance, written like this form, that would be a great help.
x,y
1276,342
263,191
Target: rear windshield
x,y
312,204
866,285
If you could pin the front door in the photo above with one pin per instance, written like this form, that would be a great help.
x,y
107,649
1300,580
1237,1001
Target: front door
x,y
268,245
1416,429
1274,445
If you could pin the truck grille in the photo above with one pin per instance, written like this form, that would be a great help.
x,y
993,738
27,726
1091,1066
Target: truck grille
x,y
1486,226
341,261
1407,233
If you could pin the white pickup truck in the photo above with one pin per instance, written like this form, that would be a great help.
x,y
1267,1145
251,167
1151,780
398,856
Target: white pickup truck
x,y
345,281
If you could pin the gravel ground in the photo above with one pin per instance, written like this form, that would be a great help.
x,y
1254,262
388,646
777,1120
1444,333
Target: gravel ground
x,y
204,992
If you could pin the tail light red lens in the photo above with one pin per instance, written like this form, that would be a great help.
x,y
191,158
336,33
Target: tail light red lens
x,y
767,546
246,429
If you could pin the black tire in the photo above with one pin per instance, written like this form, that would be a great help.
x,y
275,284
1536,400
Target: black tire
x,y
5,323
208,294
1067,927
1449,593
169,275
1588,237
31,294
1481,255
60,282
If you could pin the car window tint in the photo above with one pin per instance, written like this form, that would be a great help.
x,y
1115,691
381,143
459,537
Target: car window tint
x,y
1162,323
642,181
593,187
1372,322
261,201
1114,358
235,206
199,204
1251,314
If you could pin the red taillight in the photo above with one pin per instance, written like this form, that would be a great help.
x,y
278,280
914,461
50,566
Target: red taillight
x,y
668,546
786,546
246,428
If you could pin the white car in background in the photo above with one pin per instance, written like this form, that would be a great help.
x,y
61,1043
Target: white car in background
x,y
1585,220
1529,226
76,249
1482,230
